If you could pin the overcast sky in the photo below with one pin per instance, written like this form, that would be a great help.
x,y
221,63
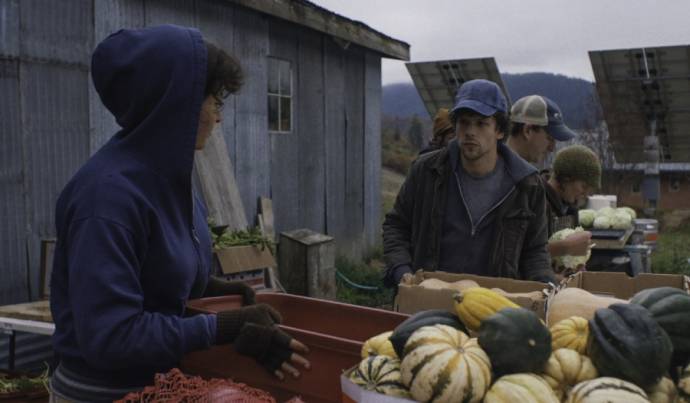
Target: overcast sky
x,y
523,35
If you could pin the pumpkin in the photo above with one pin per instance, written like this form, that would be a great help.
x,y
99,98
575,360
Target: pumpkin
x,y
566,368
444,365
625,342
663,392
381,374
684,386
379,345
607,389
670,307
576,302
526,388
476,304
515,341
570,333
420,319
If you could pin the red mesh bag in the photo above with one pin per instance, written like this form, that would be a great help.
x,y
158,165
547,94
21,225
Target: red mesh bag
x,y
175,387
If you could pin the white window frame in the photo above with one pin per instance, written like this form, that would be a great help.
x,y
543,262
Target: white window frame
x,y
280,96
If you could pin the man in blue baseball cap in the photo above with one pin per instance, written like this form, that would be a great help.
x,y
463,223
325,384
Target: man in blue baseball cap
x,y
472,207
536,125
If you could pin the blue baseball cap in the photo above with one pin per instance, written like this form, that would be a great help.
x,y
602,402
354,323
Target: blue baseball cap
x,y
482,96
541,111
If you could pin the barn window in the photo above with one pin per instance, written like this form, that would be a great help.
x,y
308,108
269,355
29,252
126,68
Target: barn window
x,y
674,185
279,95
635,186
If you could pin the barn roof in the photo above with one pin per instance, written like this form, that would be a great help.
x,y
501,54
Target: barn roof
x,y
310,15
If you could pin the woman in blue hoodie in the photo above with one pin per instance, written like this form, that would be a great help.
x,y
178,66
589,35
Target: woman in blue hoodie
x,y
133,244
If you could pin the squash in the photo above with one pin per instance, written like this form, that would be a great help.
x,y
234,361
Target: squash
x,y
524,388
570,333
607,389
420,319
515,341
381,374
670,307
663,392
434,284
625,342
437,284
533,295
566,368
379,345
476,304
576,302
444,364
684,386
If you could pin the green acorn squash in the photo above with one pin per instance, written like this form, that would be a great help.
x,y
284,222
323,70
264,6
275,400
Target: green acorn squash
x,y
516,341
420,319
670,307
626,342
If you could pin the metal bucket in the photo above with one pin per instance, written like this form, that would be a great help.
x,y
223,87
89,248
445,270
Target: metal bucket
x,y
646,232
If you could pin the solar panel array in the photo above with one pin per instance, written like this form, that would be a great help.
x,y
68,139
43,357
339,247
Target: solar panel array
x,y
437,81
645,92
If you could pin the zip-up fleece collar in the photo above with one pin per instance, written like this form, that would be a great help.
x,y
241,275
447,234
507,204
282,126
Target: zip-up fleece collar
x,y
517,168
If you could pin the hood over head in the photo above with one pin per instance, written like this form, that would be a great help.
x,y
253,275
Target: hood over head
x,y
152,80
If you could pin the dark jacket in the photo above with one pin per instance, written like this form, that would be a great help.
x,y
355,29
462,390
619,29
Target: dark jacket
x,y
132,242
412,231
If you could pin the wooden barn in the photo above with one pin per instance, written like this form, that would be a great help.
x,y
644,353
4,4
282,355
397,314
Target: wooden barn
x,y
304,130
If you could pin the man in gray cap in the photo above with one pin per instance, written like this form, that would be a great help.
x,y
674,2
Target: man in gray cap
x,y
472,207
537,123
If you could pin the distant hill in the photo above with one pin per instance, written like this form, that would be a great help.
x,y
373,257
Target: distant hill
x,y
575,96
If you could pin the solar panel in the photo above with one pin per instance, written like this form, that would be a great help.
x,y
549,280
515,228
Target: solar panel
x,y
437,81
645,92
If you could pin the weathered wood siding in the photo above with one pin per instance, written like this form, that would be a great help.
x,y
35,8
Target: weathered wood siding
x,y
324,175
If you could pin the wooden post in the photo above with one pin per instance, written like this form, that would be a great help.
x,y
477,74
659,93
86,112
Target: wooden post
x,y
306,263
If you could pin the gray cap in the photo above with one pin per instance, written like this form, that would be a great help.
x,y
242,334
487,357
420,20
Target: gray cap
x,y
541,111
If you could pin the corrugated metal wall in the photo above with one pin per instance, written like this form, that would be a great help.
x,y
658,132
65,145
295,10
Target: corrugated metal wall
x,y
324,175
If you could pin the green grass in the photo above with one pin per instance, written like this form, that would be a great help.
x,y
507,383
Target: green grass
x,y
673,252
397,155
367,273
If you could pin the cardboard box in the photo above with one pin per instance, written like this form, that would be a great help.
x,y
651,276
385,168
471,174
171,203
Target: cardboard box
x,y
259,279
250,264
620,285
237,259
413,298
353,393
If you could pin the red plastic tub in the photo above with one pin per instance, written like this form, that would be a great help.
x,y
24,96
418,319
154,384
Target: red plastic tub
x,y
334,333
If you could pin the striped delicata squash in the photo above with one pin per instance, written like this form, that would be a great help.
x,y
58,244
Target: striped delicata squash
x,y
520,388
381,374
444,365
607,389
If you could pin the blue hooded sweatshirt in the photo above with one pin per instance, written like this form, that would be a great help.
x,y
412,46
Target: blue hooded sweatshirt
x,y
133,244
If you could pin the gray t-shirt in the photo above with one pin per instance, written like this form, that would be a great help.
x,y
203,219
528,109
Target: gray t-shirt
x,y
482,193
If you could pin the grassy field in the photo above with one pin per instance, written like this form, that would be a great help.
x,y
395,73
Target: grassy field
x,y
673,251
369,272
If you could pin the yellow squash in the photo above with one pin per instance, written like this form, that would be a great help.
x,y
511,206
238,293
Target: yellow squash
x,y
570,333
663,392
379,345
566,368
476,304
